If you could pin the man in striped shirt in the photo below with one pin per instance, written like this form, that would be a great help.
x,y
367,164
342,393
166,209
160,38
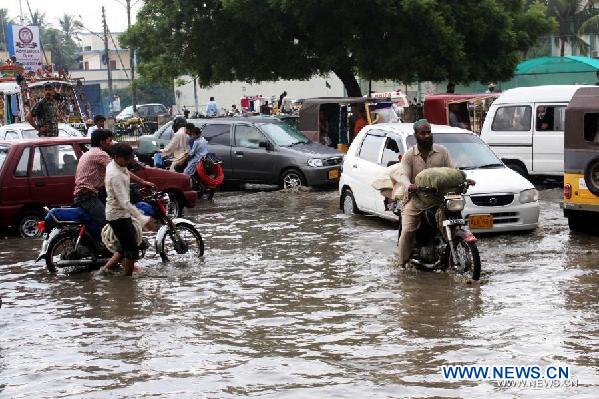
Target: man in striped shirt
x,y
89,179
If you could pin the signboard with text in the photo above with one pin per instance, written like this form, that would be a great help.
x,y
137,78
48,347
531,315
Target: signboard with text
x,y
24,44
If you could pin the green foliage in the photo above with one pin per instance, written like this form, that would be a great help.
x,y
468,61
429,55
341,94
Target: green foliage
x,y
406,40
571,16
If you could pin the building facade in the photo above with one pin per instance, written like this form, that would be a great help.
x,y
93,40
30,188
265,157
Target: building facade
x,y
93,68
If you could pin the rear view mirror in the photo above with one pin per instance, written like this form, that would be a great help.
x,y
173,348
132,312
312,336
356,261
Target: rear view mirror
x,y
265,144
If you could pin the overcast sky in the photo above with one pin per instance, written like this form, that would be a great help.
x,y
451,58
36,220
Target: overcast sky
x,y
90,11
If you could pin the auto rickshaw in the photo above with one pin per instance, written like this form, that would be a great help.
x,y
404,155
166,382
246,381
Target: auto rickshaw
x,y
469,109
331,120
581,161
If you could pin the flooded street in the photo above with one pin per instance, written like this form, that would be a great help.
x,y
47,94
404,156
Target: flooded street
x,y
295,300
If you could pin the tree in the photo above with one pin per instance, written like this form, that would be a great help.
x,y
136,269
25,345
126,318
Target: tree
x,y
406,40
63,49
38,18
70,26
4,22
571,15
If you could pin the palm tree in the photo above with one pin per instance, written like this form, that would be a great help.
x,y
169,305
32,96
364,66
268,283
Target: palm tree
x,y
70,26
571,16
38,18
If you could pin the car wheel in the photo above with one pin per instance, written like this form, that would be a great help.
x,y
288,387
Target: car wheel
x,y
591,176
578,224
348,203
27,223
520,169
292,178
174,208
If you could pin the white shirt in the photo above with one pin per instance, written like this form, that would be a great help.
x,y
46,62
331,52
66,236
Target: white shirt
x,y
92,129
179,144
118,203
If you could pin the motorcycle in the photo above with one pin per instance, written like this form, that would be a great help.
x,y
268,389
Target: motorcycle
x,y
453,247
72,239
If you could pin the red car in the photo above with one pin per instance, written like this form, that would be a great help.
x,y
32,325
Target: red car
x,y
41,172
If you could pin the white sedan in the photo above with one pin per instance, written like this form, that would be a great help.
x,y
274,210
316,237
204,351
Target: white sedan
x,y
17,131
501,200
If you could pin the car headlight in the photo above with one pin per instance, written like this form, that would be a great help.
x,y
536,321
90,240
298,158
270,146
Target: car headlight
x,y
455,205
315,162
154,143
530,195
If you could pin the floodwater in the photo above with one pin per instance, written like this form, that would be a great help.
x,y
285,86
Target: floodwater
x,y
295,300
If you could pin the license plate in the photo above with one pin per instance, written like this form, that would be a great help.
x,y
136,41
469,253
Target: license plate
x,y
333,174
480,221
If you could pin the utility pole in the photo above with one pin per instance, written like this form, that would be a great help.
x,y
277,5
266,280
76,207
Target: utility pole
x,y
106,54
195,95
132,62
21,12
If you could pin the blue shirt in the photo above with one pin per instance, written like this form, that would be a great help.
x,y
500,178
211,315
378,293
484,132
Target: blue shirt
x,y
212,108
199,149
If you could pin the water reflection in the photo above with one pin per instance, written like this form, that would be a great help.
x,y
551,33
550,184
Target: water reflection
x,y
293,299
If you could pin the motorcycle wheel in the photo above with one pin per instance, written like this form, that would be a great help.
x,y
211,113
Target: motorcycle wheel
x,y
468,258
61,247
191,238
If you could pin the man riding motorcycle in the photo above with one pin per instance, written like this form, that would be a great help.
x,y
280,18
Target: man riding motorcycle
x,y
422,156
89,178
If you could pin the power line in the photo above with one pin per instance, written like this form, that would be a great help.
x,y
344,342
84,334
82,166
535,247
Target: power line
x,y
117,54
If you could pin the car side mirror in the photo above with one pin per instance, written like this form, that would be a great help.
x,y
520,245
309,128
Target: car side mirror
x,y
267,145
162,146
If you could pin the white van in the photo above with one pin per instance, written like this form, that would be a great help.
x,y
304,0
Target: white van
x,y
525,128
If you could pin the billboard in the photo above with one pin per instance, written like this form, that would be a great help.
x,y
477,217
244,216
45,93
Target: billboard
x,y
24,43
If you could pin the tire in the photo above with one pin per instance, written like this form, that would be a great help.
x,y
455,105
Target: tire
x,y
174,208
59,247
348,203
469,257
27,223
187,232
516,167
578,224
292,178
591,176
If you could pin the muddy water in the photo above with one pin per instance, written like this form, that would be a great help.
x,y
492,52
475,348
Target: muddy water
x,y
294,300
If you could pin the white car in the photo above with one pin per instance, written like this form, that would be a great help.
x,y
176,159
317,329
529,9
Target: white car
x,y
17,131
510,199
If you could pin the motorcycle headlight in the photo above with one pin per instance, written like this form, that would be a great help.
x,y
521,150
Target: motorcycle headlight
x,y
530,195
315,162
455,205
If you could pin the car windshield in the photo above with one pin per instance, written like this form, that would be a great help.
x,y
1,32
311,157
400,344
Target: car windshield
x,y
284,135
126,113
467,150
29,134
3,154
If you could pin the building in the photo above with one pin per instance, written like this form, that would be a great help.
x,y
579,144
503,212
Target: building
x,y
229,93
93,66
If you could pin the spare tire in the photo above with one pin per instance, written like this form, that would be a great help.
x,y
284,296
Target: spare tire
x,y
591,176
212,178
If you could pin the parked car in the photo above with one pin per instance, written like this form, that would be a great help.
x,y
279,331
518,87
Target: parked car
x,y
510,199
26,131
143,111
41,172
525,128
262,150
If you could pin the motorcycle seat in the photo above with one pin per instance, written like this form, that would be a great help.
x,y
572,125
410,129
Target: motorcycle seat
x,y
75,215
